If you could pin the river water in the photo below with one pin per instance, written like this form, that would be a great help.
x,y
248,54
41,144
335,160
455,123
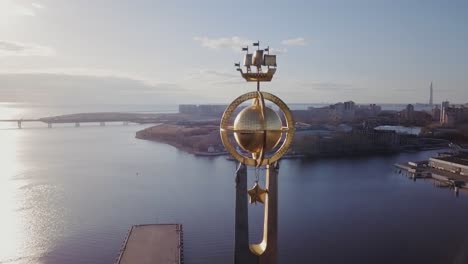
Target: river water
x,y
69,195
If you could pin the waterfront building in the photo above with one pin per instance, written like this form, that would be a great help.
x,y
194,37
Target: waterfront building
x,y
445,105
339,112
367,111
363,112
344,112
348,113
454,115
408,113
411,117
354,142
453,164
436,112
311,115
188,109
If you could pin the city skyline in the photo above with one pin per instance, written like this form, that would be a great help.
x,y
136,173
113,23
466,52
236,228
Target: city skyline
x,y
53,52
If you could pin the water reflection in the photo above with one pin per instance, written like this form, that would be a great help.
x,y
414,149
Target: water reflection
x,y
31,219
69,195
12,239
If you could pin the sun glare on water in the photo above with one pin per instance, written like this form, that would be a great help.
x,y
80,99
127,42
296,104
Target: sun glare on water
x,y
11,225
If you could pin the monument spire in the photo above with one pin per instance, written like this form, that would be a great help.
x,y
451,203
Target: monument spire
x,y
264,135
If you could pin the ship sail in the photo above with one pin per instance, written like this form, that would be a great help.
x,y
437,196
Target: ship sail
x,y
269,60
248,59
258,58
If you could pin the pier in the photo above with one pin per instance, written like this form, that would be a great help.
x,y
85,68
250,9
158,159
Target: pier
x,y
443,176
153,244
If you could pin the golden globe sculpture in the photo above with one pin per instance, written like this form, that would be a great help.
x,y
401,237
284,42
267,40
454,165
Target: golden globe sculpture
x,y
256,132
257,129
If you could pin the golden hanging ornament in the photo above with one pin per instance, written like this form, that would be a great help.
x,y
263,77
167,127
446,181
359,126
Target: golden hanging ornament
x,y
257,194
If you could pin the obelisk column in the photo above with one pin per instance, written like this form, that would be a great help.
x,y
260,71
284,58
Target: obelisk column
x,y
242,253
270,232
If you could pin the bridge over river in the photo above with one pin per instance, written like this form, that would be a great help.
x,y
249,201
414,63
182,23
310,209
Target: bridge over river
x,y
99,118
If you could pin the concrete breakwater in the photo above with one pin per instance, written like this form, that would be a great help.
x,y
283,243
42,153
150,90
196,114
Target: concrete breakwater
x,y
448,170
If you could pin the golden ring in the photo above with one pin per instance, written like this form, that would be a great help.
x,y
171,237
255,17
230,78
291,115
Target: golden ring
x,y
289,129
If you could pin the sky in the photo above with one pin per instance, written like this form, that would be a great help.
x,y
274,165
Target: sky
x,y
170,52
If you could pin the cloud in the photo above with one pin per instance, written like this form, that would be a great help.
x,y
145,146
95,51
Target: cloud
x,y
234,43
221,74
278,50
82,89
215,77
91,72
294,42
23,11
37,5
10,48
13,8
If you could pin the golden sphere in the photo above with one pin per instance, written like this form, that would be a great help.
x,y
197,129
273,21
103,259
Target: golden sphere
x,y
253,133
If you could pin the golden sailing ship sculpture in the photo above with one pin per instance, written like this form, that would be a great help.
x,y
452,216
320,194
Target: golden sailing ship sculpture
x,y
255,61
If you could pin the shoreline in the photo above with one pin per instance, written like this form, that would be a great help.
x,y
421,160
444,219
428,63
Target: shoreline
x,y
195,139
188,150
190,139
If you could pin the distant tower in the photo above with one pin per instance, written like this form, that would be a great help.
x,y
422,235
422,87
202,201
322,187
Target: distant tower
x,y
443,111
431,102
409,112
